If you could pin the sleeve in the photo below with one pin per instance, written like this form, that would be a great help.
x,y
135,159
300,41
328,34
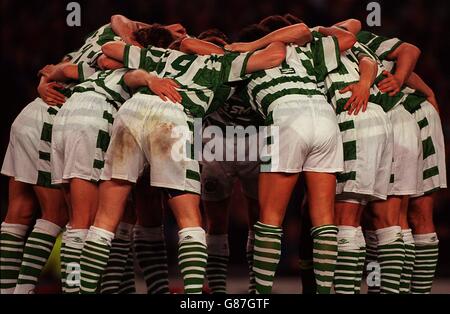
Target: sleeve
x,y
326,55
380,45
85,71
234,66
142,58
360,51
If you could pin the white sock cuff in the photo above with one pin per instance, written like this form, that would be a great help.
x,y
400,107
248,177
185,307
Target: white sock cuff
x,y
346,238
194,234
218,244
47,227
407,236
360,237
371,238
14,229
426,239
99,235
75,238
388,235
124,231
154,234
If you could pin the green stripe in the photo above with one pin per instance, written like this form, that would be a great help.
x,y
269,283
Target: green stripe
x,y
46,134
192,175
98,164
430,173
428,147
44,156
350,150
108,117
103,139
347,125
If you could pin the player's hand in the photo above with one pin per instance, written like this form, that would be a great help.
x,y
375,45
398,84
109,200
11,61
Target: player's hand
x,y
51,96
240,47
432,100
391,84
165,89
359,99
47,70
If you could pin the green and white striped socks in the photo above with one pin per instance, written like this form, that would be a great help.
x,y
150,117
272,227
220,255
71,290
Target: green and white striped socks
x,y
217,266
391,256
12,242
72,242
324,256
249,254
62,252
427,253
267,252
35,255
192,258
347,260
120,246
372,266
361,259
94,258
128,283
410,256
151,254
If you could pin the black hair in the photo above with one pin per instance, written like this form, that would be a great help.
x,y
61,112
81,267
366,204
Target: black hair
x,y
252,33
274,22
293,19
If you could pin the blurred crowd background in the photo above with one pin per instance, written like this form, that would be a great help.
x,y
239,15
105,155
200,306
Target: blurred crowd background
x,y
35,33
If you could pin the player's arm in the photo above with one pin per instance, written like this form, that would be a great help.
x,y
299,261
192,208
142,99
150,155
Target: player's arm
x,y
351,25
406,56
271,56
114,50
61,72
106,63
163,87
199,47
124,27
299,34
47,92
368,69
417,83
345,38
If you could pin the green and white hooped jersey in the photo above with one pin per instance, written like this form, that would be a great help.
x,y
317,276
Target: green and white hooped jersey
x,y
231,108
86,57
380,45
199,77
92,47
109,83
300,76
348,73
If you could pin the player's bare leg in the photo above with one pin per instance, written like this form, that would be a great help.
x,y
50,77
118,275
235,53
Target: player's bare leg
x,y
149,240
192,251
275,191
112,202
217,218
321,189
253,213
42,238
420,218
22,205
347,220
385,217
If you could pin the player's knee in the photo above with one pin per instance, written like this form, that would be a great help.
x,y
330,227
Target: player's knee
x,y
420,218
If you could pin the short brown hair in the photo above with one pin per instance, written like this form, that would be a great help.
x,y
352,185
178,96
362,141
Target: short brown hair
x,y
293,19
155,35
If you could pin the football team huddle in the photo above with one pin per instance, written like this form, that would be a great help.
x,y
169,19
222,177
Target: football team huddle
x,y
108,147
